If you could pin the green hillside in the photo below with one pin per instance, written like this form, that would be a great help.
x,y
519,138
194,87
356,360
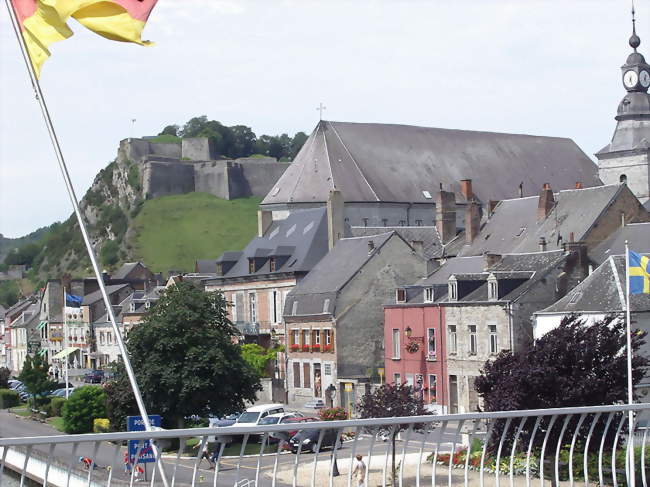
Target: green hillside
x,y
174,231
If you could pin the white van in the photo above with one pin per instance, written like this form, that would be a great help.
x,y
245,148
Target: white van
x,y
253,415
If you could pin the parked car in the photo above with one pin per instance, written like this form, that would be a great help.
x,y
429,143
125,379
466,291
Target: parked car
x,y
15,384
279,418
94,377
309,440
286,435
255,414
61,392
227,420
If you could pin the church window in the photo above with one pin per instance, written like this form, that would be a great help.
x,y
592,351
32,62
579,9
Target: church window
x,y
384,221
418,223
622,178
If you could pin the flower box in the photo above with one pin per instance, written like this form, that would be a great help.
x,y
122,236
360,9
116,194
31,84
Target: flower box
x,y
295,348
305,348
315,348
328,348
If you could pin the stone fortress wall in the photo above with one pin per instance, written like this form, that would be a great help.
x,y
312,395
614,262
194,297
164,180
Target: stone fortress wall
x,y
194,166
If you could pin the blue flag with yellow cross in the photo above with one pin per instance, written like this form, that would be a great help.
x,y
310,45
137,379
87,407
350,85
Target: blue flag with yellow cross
x,y
639,270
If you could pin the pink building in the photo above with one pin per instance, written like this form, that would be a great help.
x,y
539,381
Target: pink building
x,y
415,349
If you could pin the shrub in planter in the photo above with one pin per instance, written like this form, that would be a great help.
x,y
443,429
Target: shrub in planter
x,y
56,406
8,398
101,425
82,407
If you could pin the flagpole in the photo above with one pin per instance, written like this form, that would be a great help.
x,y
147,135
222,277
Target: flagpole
x,y
75,204
630,394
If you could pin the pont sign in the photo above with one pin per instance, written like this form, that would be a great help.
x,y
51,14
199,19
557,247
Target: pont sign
x,y
348,387
136,423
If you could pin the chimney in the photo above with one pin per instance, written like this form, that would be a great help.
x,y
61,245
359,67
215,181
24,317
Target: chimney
x,y
466,189
264,221
335,217
491,259
580,260
492,204
371,246
521,189
578,184
542,244
472,221
446,215
545,203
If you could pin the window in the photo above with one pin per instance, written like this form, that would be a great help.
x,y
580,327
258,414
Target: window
x,y
576,296
132,307
622,178
306,368
493,339
365,222
400,296
326,305
433,388
397,379
472,339
327,369
428,295
272,264
101,338
384,221
328,337
252,307
305,337
109,337
317,337
493,291
147,305
251,266
295,337
296,374
274,307
418,223
396,347
402,223
426,194
294,307
453,339
431,343
453,290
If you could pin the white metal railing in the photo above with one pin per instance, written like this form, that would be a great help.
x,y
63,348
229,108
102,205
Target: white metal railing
x,y
565,446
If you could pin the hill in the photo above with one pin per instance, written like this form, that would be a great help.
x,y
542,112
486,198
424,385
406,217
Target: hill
x,y
172,232
9,244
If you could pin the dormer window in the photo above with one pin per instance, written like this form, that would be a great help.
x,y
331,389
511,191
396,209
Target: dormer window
x,y
428,295
272,264
400,296
147,305
220,269
294,308
453,289
132,307
251,266
493,289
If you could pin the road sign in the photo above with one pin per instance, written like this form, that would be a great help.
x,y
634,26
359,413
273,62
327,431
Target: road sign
x,y
348,386
135,423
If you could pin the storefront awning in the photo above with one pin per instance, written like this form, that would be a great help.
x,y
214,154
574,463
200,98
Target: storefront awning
x,y
65,352
41,352
41,325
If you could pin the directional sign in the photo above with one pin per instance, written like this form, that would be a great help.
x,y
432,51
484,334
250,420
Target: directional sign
x,y
135,423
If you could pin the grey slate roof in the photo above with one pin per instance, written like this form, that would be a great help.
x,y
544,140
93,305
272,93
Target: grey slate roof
x,y
206,266
431,245
637,235
459,265
370,162
125,270
300,239
513,227
331,274
603,291
97,295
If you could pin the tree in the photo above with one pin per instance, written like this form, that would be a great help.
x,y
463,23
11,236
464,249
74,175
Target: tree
x,y
572,365
120,400
298,141
9,293
170,130
185,359
259,358
84,405
35,377
5,373
388,401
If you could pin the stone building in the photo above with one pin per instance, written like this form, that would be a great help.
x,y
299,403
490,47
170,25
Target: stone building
x,y
334,317
626,157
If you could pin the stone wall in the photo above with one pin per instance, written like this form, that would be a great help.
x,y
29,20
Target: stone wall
x,y
198,149
634,168
164,179
212,177
135,149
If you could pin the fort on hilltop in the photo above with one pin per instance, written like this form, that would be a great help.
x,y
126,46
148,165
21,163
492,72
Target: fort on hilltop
x,y
194,166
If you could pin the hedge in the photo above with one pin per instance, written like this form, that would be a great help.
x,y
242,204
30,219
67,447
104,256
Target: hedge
x,y
8,398
56,406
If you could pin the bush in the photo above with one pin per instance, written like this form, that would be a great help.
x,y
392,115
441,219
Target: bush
x,y
101,425
333,414
56,406
83,406
5,373
8,398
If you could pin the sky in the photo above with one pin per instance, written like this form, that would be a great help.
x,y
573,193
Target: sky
x,y
541,67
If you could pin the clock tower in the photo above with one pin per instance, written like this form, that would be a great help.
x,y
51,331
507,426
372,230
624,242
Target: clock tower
x,y
626,158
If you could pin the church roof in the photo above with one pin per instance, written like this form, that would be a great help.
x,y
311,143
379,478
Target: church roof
x,y
371,162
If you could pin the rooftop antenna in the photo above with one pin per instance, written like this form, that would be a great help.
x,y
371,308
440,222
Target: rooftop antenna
x,y
320,108
635,41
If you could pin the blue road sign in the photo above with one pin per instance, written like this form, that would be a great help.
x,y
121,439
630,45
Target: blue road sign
x,y
135,423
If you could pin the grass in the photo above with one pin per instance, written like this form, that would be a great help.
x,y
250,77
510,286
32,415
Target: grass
x,y
57,423
166,139
22,410
174,231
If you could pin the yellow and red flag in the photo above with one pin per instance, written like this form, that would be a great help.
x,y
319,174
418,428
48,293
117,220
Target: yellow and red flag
x,y
44,22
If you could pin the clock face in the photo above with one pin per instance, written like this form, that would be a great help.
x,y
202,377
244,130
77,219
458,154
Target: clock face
x,y
645,78
630,79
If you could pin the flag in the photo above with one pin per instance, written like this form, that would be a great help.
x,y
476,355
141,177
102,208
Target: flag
x,y
44,22
72,300
639,270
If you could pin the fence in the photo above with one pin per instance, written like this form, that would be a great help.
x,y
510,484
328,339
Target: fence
x,y
566,446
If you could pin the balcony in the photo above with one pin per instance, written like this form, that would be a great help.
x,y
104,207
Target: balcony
x,y
248,329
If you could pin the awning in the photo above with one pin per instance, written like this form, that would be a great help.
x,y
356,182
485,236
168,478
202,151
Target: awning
x,y
65,352
41,325
41,352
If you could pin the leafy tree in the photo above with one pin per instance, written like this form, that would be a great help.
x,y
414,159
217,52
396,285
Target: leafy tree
x,y
572,365
109,254
185,360
23,255
243,143
296,144
120,401
83,406
5,373
388,401
35,377
170,130
9,293
259,358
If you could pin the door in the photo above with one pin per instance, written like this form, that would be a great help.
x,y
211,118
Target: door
x,y
318,389
453,394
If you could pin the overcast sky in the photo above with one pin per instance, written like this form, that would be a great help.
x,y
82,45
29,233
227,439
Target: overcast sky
x,y
535,67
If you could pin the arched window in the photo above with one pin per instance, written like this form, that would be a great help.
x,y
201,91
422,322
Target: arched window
x,y
622,178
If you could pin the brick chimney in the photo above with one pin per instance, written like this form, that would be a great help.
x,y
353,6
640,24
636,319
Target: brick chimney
x,y
545,203
472,221
542,244
335,217
264,221
466,189
446,215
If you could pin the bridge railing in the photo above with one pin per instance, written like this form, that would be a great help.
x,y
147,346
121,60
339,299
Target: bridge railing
x,y
566,446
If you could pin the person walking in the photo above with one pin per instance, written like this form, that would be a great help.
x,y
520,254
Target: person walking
x,y
359,471
203,453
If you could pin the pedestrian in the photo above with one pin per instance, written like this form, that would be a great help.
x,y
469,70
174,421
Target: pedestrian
x,y
214,459
86,462
127,463
359,471
203,453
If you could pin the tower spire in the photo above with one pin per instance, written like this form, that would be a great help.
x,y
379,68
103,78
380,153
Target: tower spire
x,y
635,41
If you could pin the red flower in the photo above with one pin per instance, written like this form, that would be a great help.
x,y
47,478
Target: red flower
x,y
315,348
305,348
295,348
